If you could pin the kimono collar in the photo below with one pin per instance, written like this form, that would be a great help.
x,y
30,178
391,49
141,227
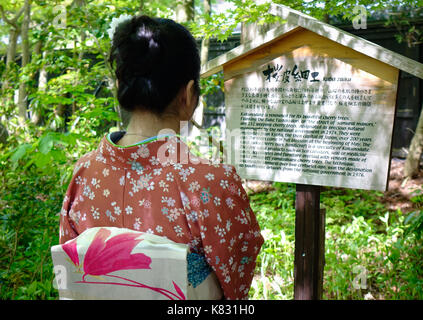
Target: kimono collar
x,y
162,150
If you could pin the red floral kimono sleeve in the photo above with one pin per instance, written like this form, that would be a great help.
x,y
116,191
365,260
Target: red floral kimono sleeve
x,y
68,230
220,215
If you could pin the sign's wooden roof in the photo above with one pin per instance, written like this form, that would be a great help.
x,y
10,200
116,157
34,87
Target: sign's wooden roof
x,y
294,21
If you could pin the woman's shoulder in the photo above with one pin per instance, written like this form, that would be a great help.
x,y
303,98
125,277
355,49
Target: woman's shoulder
x,y
218,180
208,170
85,161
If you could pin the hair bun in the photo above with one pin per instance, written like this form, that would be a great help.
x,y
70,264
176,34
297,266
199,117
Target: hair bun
x,y
138,45
154,58
145,47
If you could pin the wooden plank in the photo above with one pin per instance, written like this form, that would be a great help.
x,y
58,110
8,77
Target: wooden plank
x,y
393,128
318,47
320,261
309,244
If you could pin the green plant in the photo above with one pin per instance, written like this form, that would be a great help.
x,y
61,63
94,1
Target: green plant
x,y
368,252
415,218
29,227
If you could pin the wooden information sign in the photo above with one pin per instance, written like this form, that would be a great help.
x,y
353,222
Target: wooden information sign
x,y
310,104
308,117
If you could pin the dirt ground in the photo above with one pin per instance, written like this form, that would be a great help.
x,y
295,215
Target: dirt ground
x,y
397,197
400,190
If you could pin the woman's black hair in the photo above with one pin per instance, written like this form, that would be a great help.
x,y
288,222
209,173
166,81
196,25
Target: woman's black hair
x,y
153,59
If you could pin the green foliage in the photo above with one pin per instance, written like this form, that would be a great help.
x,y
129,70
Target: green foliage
x,y
30,203
363,238
415,219
402,18
212,84
76,108
275,213
221,25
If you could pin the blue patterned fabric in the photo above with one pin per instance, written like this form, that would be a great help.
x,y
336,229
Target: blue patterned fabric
x,y
198,268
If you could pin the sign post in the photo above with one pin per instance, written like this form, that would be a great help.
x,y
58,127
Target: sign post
x,y
309,243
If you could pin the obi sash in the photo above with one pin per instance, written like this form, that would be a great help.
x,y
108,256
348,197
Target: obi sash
x,y
119,263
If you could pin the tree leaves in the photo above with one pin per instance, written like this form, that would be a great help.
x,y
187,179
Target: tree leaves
x,y
20,152
49,151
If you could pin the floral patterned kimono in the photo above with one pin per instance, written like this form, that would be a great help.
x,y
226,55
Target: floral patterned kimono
x,y
157,186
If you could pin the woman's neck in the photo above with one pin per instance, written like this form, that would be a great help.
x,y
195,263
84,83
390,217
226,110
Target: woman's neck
x,y
146,124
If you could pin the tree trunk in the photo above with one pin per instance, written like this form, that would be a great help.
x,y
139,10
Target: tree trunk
x,y
3,134
326,14
42,86
205,43
23,97
184,11
13,38
204,54
35,114
83,35
411,167
83,38
11,49
11,54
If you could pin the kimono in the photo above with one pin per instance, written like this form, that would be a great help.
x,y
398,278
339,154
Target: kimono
x,y
158,186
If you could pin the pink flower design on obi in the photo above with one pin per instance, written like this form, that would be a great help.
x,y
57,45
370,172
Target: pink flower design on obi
x,y
71,250
103,257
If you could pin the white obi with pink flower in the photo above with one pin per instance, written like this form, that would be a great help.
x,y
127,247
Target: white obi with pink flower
x,y
118,263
